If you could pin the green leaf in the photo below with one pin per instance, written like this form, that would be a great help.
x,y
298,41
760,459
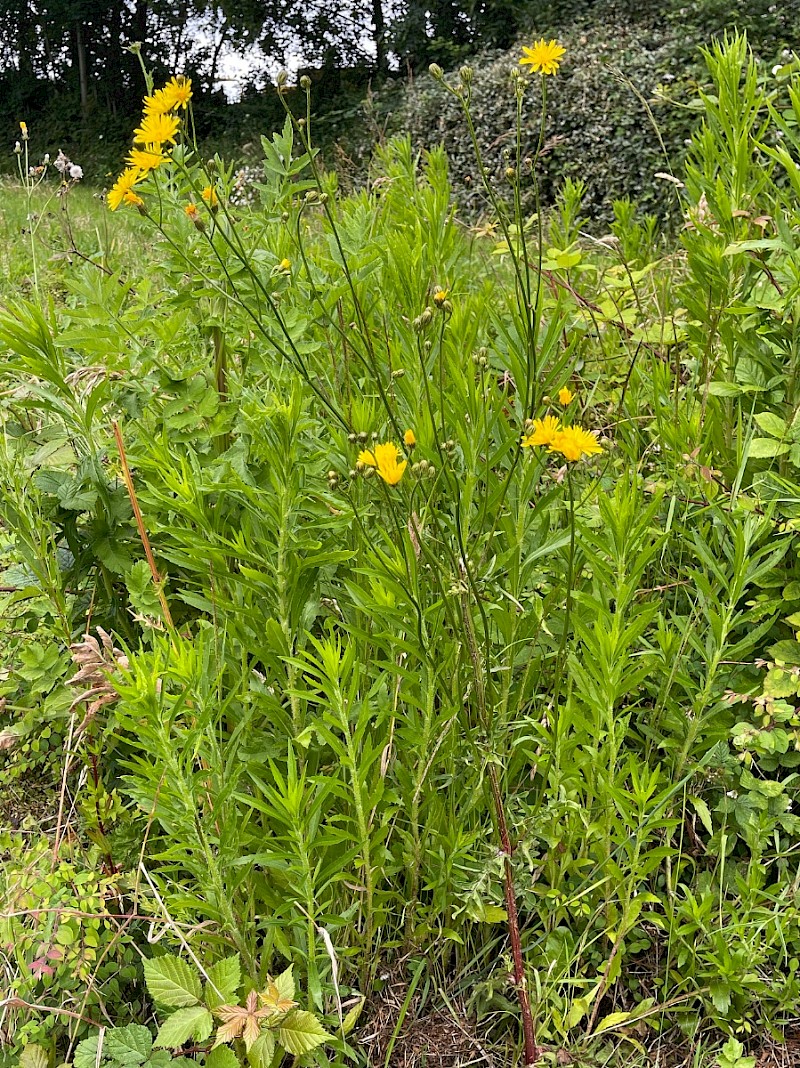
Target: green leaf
x,y
171,982
772,424
184,1023
352,1015
86,1053
224,979
222,1057
612,1020
285,984
766,448
262,1051
703,811
786,651
577,1011
300,1032
34,1056
129,1045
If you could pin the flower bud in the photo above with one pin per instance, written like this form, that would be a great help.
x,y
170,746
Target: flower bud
x,y
305,83
282,79
465,74
436,71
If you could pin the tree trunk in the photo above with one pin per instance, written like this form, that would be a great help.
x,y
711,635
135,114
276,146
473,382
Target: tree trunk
x,y
83,73
379,23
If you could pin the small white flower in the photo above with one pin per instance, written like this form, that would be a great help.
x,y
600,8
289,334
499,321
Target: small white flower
x,y
75,172
46,158
777,69
61,162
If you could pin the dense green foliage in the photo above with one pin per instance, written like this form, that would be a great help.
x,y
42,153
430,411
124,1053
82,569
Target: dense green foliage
x,y
299,714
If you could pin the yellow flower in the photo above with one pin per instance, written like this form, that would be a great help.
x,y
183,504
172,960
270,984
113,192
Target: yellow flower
x,y
385,458
178,92
573,442
285,265
24,130
544,432
148,158
543,56
565,396
209,195
156,129
157,104
124,184
409,439
133,199
191,211
440,296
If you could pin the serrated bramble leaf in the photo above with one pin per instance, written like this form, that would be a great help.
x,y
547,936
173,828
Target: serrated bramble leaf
x,y
182,1025
224,979
262,1051
172,982
86,1053
222,1057
285,983
301,1032
129,1045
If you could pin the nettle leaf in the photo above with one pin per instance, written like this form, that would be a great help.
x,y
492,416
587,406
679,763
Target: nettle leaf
x,y
171,982
181,1025
129,1045
301,1032
262,1051
224,979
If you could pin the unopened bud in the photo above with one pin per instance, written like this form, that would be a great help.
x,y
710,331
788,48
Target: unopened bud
x,y
465,74
399,372
305,83
436,71
282,79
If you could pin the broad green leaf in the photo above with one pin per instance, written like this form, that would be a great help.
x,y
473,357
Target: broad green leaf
x,y
223,982
86,1053
703,811
129,1045
172,982
786,651
262,1051
772,424
285,983
577,1011
182,1025
765,448
222,1057
614,1019
34,1056
300,1032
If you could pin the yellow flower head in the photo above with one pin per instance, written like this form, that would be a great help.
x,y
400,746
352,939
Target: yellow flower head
x,y
386,459
440,296
124,184
191,211
133,199
285,265
148,158
409,439
209,195
178,92
573,442
565,396
23,126
157,104
543,56
544,432
156,129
